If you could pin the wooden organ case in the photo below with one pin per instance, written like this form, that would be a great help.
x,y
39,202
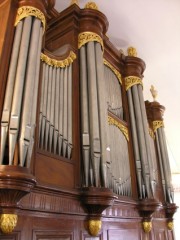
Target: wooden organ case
x,y
82,156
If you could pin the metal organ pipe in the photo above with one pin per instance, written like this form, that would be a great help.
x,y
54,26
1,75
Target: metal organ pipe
x,y
9,89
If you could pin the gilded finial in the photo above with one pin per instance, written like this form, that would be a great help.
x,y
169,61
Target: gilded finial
x,y
132,52
91,5
75,2
153,92
147,226
94,227
8,222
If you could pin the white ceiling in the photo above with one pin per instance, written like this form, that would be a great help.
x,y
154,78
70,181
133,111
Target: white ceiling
x,y
153,27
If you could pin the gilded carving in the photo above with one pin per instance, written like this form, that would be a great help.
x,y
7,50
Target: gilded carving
x,y
147,226
131,81
121,127
75,2
91,5
86,37
26,11
151,133
170,225
94,227
8,222
132,52
153,92
157,124
59,63
118,75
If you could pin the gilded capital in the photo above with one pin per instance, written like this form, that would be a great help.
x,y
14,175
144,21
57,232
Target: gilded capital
x,y
131,81
26,11
132,52
94,227
86,37
157,124
8,222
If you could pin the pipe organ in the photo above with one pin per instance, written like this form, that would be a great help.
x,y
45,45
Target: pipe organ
x,y
82,155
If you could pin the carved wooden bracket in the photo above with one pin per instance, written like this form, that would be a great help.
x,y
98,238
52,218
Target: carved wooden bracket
x,y
96,200
146,208
15,183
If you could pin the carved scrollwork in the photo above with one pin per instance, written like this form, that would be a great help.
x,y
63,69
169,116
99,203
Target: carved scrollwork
x,y
118,75
86,37
59,63
8,222
91,5
26,11
131,81
121,127
151,133
157,124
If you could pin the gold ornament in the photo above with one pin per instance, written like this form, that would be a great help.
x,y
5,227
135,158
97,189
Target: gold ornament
x,y
118,75
131,81
151,133
132,52
157,124
91,5
147,226
59,63
170,225
121,127
94,227
75,2
153,92
26,11
86,37
8,222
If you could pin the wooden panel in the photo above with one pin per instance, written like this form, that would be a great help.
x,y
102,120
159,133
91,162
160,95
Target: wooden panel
x,y
13,236
53,171
160,235
123,234
51,235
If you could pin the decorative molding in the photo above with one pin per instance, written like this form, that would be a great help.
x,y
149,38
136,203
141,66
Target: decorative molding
x,y
86,37
59,63
147,226
8,222
151,133
157,124
26,11
116,72
119,125
131,81
132,52
94,226
91,5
